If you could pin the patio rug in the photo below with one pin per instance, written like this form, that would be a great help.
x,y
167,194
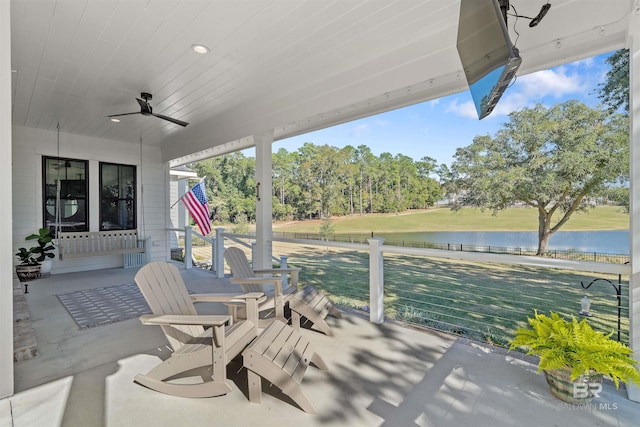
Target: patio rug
x,y
102,306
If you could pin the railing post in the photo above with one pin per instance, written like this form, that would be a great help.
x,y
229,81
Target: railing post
x,y
376,280
188,261
213,255
219,253
285,277
253,255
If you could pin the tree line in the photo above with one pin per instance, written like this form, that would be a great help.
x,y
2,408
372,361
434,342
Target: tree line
x,y
320,181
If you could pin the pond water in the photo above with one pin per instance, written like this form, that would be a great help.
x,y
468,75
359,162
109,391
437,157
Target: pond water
x,y
601,241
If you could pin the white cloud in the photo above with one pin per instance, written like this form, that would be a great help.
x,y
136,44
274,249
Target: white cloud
x,y
433,103
556,83
529,90
465,109
361,129
511,102
585,63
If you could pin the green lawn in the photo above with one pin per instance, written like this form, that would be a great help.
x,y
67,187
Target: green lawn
x,y
467,219
482,301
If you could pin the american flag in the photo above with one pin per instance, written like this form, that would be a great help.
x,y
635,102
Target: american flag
x,y
198,206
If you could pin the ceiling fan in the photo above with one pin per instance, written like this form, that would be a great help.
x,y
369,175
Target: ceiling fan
x,y
146,110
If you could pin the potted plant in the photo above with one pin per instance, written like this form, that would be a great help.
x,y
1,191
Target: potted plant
x,y
29,268
44,250
574,357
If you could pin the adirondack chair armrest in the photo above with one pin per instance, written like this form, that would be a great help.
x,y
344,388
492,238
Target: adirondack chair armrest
x,y
234,302
217,322
277,270
254,280
276,281
228,298
293,272
184,319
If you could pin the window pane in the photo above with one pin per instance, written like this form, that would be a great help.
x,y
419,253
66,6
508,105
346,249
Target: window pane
x,y
117,198
65,182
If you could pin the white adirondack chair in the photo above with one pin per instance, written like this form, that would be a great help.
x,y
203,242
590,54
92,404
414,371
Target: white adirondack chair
x,y
194,346
278,353
308,303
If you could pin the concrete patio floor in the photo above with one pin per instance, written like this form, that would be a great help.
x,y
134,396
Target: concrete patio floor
x,y
379,375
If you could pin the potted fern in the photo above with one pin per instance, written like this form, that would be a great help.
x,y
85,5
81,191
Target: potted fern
x,y
574,357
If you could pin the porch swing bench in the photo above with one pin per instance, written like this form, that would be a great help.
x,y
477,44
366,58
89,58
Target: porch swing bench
x,y
80,244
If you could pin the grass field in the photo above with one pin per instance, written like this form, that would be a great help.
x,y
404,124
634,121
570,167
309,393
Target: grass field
x,y
467,219
482,301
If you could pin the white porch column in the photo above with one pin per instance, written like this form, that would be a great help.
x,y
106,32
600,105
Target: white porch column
x,y
264,205
6,253
376,280
634,227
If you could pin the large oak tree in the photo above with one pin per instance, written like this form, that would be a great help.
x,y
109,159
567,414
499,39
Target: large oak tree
x,y
552,159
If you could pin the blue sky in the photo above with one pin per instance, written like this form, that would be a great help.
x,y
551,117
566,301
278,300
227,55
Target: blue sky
x,y
436,128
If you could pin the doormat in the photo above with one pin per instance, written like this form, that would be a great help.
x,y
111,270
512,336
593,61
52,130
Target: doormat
x,y
102,306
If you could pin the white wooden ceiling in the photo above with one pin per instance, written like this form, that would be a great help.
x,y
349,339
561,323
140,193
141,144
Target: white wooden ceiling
x,y
290,66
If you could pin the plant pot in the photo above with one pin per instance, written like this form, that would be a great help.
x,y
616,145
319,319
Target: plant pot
x,y
45,268
581,390
26,273
176,254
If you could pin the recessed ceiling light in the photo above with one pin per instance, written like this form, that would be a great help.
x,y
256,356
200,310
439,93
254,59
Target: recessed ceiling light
x,y
200,48
114,120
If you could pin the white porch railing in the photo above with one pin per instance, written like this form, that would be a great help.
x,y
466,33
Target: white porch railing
x,y
217,249
377,249
188,234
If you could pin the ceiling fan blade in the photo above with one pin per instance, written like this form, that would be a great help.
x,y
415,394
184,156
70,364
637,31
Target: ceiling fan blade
x,y
172,120
146,110
125,114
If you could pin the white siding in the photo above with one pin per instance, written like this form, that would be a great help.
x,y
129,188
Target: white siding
x,y
29,145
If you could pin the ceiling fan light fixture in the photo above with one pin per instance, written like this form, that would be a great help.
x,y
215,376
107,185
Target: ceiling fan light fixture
x,y
200,48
